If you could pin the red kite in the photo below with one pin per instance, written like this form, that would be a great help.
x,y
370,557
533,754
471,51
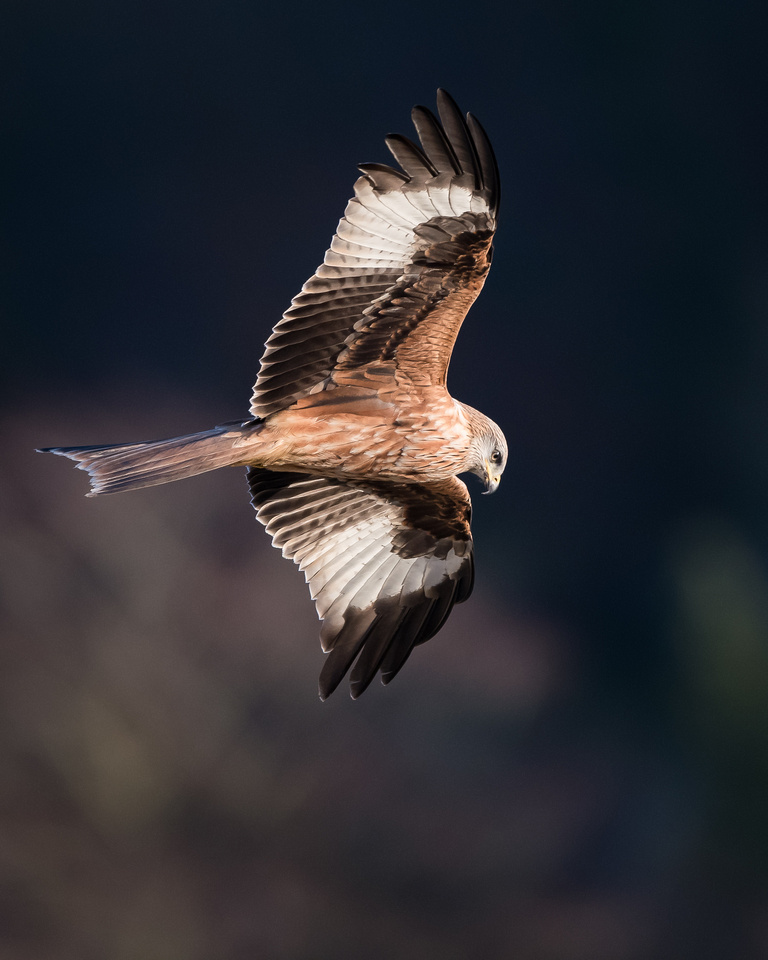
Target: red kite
x,y
354,443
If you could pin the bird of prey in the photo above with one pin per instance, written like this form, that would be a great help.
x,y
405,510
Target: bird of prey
x,y
354,445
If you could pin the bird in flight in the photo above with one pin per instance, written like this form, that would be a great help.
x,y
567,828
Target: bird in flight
x,y
354,445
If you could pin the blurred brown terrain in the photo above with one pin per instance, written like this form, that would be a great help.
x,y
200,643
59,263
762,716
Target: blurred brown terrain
x,y
173,788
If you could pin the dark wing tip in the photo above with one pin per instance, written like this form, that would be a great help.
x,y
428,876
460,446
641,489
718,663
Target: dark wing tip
x,y
488,162
382,177
448,144
412,158
435,142
445,100
471,146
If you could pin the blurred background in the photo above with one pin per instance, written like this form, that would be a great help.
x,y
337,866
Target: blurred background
x,y
576,768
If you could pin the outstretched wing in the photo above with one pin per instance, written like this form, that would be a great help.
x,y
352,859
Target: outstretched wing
x,y
408,259
385,562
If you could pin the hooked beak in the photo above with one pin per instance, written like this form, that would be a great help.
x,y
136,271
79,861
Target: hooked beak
x,y
492,480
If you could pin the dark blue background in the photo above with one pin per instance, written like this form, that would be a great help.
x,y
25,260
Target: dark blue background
x,y
175,172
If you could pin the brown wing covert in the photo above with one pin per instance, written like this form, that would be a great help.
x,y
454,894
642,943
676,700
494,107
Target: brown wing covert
x,y
384,562
407,260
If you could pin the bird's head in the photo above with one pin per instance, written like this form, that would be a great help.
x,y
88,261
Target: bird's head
x,y
489,451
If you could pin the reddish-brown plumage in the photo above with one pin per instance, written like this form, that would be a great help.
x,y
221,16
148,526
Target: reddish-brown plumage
x,y
355,443
423,436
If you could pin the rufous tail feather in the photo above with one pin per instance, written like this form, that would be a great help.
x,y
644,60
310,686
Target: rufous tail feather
x,y
131,466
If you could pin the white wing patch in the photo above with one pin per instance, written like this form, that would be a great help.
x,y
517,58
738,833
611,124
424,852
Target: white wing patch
x,y
355,544
375,245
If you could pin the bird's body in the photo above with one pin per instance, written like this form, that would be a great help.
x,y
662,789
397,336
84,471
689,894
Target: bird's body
x,y
354,444
397,433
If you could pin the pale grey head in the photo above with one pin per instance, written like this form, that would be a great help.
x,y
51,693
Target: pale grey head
x,y
488,450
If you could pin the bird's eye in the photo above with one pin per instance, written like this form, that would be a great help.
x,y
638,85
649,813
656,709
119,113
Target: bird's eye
x,y
496,456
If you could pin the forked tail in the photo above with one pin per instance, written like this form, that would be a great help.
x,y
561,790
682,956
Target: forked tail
x,y
134,465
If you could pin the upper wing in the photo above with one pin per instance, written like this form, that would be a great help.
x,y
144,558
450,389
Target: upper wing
x,y
385,562
408,259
